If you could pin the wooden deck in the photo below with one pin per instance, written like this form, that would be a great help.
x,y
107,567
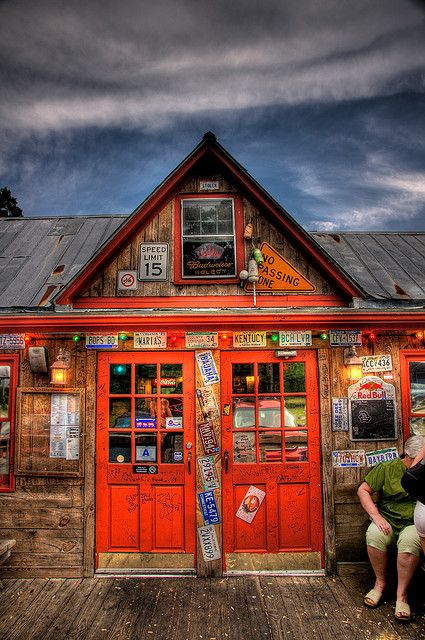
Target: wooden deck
x,y
237,608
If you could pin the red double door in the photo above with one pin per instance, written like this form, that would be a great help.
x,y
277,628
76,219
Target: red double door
x,y
146,462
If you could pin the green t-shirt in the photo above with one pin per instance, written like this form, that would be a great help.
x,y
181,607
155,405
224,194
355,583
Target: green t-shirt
x,y
395,505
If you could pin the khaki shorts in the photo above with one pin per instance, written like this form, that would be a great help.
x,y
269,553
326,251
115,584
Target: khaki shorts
x,y
407,542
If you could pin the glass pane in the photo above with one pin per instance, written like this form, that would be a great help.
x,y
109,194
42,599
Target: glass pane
x,y
270,446
145,448
242,378
4,452
145,413
119,447
417,386
172,448
417,426
120,378
4,391
244,446
294,377
243,413
268,378
269,412
171,378
119,413
145,378
172,413
295,412
296,446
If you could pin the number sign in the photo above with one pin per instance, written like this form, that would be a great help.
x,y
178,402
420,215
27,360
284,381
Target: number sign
x,y
153,261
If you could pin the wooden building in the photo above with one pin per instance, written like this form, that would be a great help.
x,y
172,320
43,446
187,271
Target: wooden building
x,y
199,387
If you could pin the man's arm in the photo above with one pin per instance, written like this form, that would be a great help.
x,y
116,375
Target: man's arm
x,y
365,494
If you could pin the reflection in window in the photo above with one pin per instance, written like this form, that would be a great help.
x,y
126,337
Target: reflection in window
x,y
146,378
4,391
119,413
119,378
268,377
417,386
294,377
244,447
172,448
269,413
417,426
296,446
171,378
295,411
243,413
119,447
270,446
145,408
242,378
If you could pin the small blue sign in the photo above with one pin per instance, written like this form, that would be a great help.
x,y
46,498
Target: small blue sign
x,y
209,507
145,423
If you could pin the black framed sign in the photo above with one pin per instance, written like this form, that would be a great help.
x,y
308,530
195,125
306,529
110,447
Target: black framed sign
x,y
372,410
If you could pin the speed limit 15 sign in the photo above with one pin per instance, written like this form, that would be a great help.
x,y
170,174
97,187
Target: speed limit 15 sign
x,y
153,261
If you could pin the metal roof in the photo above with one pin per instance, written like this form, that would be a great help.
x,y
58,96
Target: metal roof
x,y
40,255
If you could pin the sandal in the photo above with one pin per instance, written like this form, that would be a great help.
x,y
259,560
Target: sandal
x,y
402,611
372,598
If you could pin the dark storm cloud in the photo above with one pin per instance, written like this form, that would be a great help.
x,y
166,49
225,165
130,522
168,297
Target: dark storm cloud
x,y
73,64
320,100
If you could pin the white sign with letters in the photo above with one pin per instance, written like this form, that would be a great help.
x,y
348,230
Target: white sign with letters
x,y
153,261
377,363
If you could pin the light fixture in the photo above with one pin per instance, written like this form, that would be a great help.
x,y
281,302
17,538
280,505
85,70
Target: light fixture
x,y
59,369
353,363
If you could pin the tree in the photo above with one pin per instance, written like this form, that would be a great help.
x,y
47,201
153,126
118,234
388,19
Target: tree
x,y
8,205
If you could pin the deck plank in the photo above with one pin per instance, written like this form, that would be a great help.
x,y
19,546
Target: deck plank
x,y
230,608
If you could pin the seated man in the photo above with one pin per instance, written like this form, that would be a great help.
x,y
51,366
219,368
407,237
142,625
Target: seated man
x,y
392,523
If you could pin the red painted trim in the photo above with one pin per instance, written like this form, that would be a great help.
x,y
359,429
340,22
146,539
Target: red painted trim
x,y
417,355
11,360
222,320
240,250
168,188
208,302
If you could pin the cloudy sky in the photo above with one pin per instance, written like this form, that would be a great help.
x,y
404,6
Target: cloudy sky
x,y
322,101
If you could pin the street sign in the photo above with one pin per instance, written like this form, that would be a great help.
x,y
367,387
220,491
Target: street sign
x,y
277,274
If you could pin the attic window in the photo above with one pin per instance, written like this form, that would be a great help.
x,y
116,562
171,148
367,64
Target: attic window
x,y
208,238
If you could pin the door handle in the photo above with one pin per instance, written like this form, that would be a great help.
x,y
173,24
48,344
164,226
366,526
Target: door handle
x,y
189,458
226,461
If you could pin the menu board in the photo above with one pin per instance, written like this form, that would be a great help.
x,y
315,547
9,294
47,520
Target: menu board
x,y
372,410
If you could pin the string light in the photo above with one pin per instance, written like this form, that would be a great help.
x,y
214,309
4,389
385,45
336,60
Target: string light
x,y
372,336
76,338
323,335
275,337
123,337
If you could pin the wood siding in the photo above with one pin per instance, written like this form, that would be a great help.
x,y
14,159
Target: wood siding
x,y
161,229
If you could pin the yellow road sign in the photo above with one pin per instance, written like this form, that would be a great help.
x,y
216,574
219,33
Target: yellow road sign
x,y
277,274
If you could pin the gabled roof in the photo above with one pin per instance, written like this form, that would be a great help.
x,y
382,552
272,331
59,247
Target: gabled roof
x,y
39,256
209,150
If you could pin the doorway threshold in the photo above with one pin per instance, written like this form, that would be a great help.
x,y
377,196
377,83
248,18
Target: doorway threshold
x,y
294,573
133,572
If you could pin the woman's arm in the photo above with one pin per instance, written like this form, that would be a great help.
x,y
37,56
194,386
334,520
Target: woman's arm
x,y
365,494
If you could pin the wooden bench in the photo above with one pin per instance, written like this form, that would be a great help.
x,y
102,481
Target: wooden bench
x,y
5,549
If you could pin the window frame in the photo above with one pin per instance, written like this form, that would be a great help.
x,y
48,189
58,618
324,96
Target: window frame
x,y
406,357
179,278
11,360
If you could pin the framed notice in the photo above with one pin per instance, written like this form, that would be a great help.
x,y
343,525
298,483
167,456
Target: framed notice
x,y
372,410
49,432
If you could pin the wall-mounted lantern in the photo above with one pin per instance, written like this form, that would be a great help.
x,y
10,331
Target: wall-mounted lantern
x,y
59,369
352,363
